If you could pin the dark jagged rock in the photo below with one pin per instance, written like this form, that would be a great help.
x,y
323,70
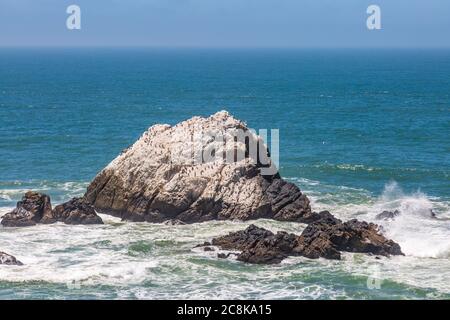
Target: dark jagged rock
x,y
258,245
315,242
153,180
75,211
360,236
36,208
387,215
29,211
325,238
9,259
270,250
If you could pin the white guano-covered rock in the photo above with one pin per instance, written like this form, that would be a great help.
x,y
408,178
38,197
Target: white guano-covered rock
x,y
200,169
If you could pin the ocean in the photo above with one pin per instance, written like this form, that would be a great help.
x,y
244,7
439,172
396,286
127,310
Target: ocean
x,y
361,131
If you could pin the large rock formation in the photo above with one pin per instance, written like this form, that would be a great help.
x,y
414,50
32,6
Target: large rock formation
x,y
184,172
325,238
8,259
36,208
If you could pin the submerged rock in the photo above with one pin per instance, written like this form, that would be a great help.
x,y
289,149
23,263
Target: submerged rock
x,y
36,208
9,259
324,238
181,172
387,215
432,214
29,211
75,211
174,222
222,255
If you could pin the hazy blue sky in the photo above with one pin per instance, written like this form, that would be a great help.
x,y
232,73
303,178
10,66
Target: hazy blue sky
x,y
229,23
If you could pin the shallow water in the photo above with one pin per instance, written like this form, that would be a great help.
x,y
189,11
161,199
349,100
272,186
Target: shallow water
x,y
361,132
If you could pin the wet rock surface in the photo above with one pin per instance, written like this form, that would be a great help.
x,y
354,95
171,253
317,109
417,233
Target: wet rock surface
x,y
8,259
324,238
155,179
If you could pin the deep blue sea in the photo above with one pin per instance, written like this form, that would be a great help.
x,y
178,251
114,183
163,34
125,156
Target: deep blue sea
x,y
361,131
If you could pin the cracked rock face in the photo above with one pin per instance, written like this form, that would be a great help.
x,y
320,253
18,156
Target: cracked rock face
x,y
325,238
7,259
187,173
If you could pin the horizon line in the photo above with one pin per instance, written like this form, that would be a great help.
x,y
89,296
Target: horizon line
x,y
138,46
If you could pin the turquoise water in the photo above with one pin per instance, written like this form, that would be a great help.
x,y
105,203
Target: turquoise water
x,y
360,131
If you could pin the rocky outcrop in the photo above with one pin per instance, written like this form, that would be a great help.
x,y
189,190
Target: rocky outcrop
x,y
258,245
75,211
9,259
36,208
29,211
325,238
184,173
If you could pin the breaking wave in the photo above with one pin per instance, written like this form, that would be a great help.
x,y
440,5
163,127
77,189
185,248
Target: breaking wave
x,y
423,226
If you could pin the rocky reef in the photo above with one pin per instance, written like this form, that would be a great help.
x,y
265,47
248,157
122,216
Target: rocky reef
x,y
325,238
36,208
180,173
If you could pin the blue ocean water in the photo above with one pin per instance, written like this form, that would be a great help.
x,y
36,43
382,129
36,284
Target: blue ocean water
x,y
360,131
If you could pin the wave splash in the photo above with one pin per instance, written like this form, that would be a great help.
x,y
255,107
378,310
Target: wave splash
x,y
417,231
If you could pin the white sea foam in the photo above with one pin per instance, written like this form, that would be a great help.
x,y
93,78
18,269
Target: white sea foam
x,y
418,233
59,191
148,260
